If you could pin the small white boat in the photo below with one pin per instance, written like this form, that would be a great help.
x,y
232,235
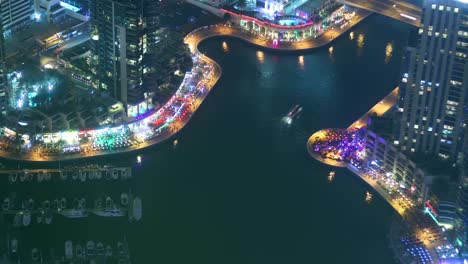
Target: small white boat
x,y
98,175
26,218
139,159
115,174
110,210
82,203
74,213
124,199
91,175
55,204
368,196
63,175
175,142
23,176
63,203
40,176
100,251
79,251
332,173
90,248
39,218
35,254
68,249
17,219
48,218
75,176
137,209
14,245
6,204
31,204
82,176
12,177
108,251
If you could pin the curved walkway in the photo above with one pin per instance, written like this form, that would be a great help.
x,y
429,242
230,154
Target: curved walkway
x,y
193,39
324,39
379,109
193,42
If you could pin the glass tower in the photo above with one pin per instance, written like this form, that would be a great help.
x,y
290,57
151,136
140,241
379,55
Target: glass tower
x,y
434,82
122,33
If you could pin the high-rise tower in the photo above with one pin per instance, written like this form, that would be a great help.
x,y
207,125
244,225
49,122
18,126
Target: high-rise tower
x,y
123,32
434,83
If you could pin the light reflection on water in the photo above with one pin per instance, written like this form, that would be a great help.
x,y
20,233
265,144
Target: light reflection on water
x,y
260,56
388,52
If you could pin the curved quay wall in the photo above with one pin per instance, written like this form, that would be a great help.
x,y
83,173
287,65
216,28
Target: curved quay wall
x,y
371,182
193,39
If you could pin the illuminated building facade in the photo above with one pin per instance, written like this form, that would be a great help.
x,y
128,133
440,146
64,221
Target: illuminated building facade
x,y
123,33
3,79
435,82
383,157
15,13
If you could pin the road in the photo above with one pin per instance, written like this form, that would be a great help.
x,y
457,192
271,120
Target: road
x,y
400,10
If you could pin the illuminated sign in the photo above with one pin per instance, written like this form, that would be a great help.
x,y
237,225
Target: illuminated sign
x,y
69,7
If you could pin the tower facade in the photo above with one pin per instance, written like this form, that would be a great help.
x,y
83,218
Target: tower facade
x,y
123,33
434,84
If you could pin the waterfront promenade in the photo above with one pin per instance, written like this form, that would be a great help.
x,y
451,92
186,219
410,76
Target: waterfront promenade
x,y
322,40
380,109
192,40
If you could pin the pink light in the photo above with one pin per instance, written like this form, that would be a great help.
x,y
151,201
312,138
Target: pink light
x,y
430,207
275,43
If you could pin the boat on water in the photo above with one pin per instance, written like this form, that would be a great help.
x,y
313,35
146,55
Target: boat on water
x,y
48,217
63,175
35,254
108,251
39,218
12,177
90,248
98,175
63,203
139,159
292,114
75,176
31,204
77,211
332,173
68,249
40,176
368,196
79,252
6,204
175,142
115,174
100,251
23,176
26,218
110,209
82,176
14,245
17,219
91,175
296,110
124,199
137,209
